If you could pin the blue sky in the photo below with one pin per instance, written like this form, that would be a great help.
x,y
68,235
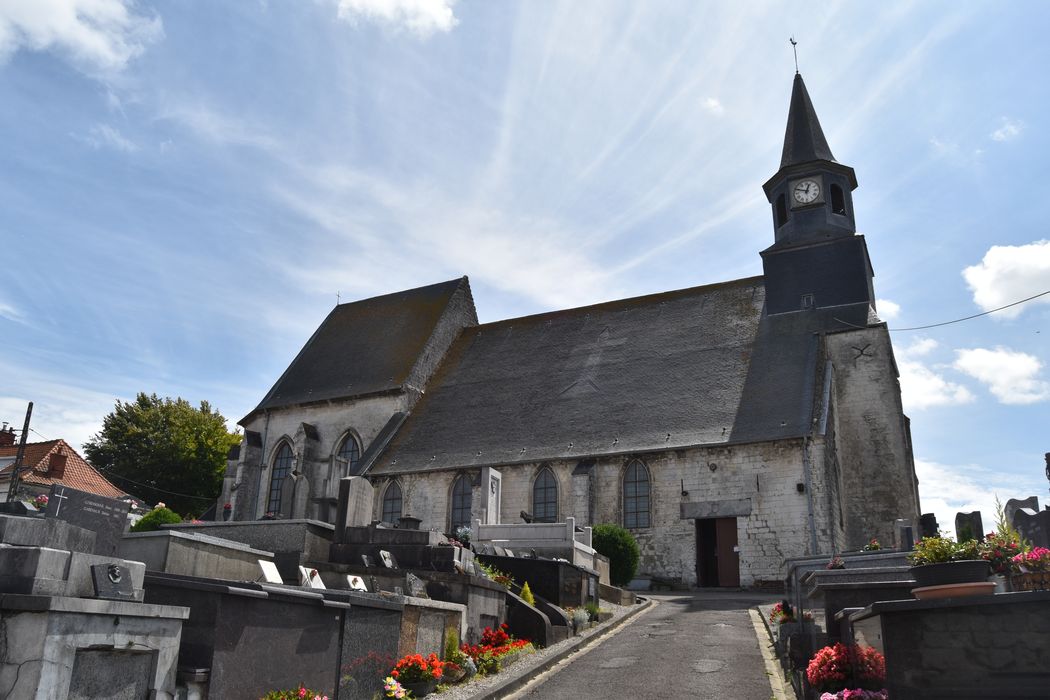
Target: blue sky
x,y
187,186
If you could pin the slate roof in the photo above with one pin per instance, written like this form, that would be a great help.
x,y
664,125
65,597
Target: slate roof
x,y
78,473
363,347
804,139
650,373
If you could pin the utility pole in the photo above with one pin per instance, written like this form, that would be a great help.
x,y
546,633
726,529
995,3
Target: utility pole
x,y
16,470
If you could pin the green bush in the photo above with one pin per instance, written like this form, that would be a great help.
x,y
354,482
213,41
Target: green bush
x,y
619,545
154,519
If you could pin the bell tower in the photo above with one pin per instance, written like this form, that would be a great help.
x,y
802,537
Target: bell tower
x,y
817,259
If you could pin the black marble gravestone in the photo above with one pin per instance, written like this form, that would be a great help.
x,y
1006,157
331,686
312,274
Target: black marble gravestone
x,y
106,517
928,525
1034,528
968,526
112,582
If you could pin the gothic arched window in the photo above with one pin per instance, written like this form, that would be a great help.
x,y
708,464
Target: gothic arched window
x,y
349,451
282,464
545,497
461,497
636,495
392,502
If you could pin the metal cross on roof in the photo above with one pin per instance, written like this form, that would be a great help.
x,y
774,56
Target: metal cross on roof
x,y
794,50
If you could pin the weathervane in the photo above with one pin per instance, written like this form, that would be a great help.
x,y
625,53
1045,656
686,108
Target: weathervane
x,y
794,50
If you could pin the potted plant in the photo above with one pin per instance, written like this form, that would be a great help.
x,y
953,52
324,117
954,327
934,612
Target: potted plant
x,y
841,671
941,561
872,546
419,674
1031,570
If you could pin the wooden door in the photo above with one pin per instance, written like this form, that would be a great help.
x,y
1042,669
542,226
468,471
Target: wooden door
x,y
728,556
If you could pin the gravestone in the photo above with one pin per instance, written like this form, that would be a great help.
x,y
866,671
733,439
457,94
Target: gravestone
x,y
1015,504
491,495
355,505
106,517
270,574
968,526
415,586
112,582
1034,528
387,559
928,525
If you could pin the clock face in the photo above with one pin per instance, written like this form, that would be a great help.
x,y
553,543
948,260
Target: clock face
x,y
806,191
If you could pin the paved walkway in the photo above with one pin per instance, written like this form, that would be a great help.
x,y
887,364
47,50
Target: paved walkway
x,y
699,644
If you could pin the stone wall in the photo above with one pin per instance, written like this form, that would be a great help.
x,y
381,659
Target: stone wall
x,y
872,436
757,483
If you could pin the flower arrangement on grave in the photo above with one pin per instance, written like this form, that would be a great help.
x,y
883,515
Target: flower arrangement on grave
x,y
393,689
40,502
227,506
463,534
495,575
841,667
836,563
416,668
858,694
782,612
1031,570
999,551
301,693
495,645
872,546
940,550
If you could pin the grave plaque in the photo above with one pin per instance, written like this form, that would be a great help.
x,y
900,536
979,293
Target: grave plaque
x,y
356,583
388,559
112,582
415,586
368,561
106,517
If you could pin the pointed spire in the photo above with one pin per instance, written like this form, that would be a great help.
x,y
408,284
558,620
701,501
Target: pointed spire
x,y
804,140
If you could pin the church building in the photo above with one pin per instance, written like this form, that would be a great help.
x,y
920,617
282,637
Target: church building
x,y
727,426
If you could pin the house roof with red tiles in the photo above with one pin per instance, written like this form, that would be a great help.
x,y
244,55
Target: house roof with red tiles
x,y
56,462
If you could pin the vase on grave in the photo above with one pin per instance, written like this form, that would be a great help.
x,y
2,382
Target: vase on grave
x,y
421,689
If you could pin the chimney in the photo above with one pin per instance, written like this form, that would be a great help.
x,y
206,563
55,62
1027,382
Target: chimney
x,y
56,466
7,436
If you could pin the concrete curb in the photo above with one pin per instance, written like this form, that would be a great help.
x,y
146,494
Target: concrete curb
x,y
782,690
519,680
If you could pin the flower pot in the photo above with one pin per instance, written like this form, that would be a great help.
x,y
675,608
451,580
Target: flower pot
x,y
1038,581
954,590
421,688
968,571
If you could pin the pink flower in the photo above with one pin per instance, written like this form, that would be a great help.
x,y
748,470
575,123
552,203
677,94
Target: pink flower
x,y
302,692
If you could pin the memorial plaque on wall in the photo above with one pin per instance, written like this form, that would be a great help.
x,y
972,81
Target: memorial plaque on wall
x,y
106,517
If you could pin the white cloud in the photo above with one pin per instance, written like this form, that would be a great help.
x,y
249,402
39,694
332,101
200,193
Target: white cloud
x,y
99,37
713,106
888,310
421,17
105,136
946,490
1010,130
1013,377
921,386
1010,273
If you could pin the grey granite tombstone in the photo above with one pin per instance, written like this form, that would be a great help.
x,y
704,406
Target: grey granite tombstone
x,y
106,517
355,504
968,526
1034,528
1015,504
928,525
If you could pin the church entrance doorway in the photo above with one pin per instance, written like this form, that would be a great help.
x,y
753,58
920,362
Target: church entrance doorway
x,y
717,558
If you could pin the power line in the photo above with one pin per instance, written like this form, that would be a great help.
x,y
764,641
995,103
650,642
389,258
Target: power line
x,y
957,320
155,488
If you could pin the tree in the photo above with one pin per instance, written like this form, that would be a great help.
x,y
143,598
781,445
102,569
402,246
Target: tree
x,y
164,450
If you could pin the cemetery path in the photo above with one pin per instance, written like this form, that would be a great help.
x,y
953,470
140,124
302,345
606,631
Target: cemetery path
x,y
698,644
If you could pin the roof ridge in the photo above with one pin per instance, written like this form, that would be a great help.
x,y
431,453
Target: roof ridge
x,y
670,294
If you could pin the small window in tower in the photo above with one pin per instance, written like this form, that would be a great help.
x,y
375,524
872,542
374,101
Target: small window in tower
x,y
838,201
808,301
781,211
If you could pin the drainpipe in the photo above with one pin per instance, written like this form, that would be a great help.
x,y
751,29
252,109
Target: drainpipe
x,y
809,495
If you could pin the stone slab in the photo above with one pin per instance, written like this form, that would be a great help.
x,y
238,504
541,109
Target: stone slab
x,y
45,532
